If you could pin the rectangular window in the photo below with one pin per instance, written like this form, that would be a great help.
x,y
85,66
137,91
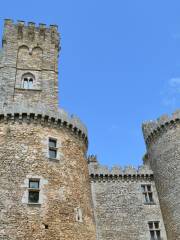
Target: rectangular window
x,y
33,196
155,233
147,192
52,148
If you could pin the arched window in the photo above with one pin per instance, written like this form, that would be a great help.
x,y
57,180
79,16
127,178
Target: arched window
x,y
28,80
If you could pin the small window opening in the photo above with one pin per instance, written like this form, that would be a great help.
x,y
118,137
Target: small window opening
x,y
46,226
79,216
148,194
25,83
33,191
28,81
52,148
155,233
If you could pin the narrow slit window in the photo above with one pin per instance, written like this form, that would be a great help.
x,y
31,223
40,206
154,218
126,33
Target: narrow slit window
x,y
25,83
147,192
30,83
33,191
79,215
52,148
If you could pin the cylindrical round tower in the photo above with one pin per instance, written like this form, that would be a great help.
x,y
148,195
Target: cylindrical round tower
x,y
163,155
45,190
44,181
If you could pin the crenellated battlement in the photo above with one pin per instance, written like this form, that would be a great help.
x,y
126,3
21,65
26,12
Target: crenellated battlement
x,y
22,31
42,115
153,129
101,172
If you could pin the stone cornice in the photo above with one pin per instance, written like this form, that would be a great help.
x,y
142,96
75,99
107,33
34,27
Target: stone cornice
x,y
29,69
45,117
121,177
154,129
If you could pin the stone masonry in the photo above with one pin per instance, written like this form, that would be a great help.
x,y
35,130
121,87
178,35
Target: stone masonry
x,y
29,118
50,189
119,205
163,156
30,49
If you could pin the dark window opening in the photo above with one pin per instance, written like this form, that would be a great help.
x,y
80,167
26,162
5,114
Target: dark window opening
x,y
52,153
148,194
46,226
52,148
52,142
155,233
33,196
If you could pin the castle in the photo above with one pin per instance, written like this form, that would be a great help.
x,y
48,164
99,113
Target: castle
x,y
49,188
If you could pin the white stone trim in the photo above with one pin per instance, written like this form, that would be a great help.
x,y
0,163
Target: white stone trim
x,y
25,185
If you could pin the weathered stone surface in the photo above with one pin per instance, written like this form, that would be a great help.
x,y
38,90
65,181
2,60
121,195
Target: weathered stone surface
x,y
163,151
28,118
119,204
108,205
65,184
29,49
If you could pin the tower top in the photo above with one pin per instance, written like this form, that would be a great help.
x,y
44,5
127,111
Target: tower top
x,y
154,129
30,32
29,77
29,64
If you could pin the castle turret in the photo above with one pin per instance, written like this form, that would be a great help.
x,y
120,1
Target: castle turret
x,y
163,155
44,180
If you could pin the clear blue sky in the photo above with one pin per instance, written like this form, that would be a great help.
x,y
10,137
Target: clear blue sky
x,y
119,66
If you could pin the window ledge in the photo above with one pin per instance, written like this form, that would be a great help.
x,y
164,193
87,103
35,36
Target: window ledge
x,y
29,89
78,221
34,204
149,203
54,159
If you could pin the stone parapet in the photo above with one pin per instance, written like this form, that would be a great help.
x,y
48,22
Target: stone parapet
x,y
45,116
98,171
32,32
153,129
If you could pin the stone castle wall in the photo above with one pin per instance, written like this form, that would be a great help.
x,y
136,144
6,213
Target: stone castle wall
x,y
1,85
119,205
29,117
74,204
163,155
64,182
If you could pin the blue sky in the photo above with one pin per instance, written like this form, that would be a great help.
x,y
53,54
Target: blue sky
x,y
119,66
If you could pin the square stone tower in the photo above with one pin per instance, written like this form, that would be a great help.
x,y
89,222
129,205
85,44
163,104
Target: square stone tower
x,y
29,65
